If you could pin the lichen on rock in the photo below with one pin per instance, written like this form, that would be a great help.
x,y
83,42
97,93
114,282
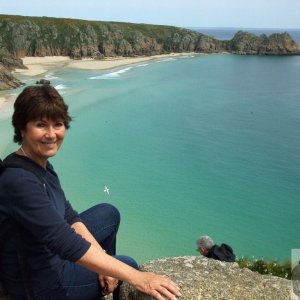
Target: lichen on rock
x,y
202,278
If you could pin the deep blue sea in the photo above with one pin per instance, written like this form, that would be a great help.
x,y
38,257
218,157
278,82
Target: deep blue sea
x,y
189,146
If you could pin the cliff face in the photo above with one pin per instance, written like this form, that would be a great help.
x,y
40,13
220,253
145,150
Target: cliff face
x,y
202,278
8,63
33,36
7,81
275,44
42,36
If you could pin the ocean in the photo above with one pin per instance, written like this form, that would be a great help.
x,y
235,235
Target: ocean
x,y
188,146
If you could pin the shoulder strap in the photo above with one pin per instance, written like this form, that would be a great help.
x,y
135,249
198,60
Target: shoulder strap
x,y
18,162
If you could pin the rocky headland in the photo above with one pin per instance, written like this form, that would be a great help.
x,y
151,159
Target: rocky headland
x,y
42,36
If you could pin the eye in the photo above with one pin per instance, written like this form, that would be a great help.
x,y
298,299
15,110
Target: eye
x,y
40,124
59,124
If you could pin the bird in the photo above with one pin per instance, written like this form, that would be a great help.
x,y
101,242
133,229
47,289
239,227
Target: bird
x,y
106,190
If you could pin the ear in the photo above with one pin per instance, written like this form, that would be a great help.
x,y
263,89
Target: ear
x,y
22,133
203,251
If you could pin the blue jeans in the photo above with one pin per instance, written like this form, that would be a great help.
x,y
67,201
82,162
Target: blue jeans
x,y
77,282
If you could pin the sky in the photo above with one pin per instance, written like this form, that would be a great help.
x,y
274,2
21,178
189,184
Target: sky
x,y
180,13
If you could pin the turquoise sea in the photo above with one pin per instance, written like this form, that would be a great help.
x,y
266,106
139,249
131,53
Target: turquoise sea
x,y
205,144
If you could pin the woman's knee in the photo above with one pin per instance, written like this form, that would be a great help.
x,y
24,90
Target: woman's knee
x,y
101,216
110,211
102,211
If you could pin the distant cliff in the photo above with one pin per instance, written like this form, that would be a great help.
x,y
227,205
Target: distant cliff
x,y
275,44
42,36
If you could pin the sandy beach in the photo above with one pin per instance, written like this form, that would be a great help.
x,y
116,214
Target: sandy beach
x,y
40,65
2,101
6,103
37,66
110,63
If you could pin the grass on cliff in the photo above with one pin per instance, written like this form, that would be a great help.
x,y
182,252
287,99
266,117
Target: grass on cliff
x,y
262,266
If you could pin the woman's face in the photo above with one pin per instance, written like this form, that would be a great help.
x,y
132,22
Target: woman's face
x,y
42,139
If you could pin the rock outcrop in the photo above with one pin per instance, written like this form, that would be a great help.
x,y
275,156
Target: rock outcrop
x,y
43,81
275,44
7,80
201,278
8,63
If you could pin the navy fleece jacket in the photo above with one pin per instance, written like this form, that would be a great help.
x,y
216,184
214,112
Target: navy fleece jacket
x,y
44,218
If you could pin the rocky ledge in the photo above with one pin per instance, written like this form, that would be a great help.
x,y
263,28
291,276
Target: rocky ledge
x,y
202,278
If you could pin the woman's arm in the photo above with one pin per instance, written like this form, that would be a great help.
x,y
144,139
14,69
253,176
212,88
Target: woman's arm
x,y
108,283
154,285
81,229
98,261
40,217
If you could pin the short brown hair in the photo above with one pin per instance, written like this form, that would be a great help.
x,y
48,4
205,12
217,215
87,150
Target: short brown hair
x,y
37,102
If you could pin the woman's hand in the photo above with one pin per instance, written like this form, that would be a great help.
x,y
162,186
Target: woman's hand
x,y
108,284
157,286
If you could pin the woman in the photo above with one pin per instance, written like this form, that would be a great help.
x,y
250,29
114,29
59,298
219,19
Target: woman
x,y
52,252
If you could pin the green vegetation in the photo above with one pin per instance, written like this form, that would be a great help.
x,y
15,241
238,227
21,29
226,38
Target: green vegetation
x,y
262,266
41,36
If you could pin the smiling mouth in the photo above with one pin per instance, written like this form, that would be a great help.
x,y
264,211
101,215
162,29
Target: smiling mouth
x,y
49,144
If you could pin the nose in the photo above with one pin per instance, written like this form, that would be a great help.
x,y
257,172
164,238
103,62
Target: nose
x,y
50,133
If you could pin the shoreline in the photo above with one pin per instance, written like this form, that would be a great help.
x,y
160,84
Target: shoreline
x,y
38,66
6,102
